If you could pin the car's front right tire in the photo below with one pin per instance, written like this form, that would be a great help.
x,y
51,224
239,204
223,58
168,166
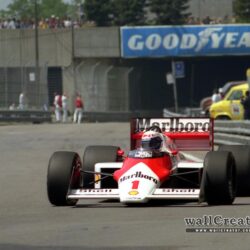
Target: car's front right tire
x,y
63,174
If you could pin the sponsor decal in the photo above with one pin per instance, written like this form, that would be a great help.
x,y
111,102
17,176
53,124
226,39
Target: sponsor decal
x,y
193,40
178,190
235,108
174,124
143,154
133,192
97,190
97,177
138,174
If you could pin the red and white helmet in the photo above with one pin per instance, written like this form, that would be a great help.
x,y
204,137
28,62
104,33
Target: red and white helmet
x,y
152,140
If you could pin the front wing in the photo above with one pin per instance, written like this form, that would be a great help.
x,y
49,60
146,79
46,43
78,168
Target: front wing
x,y
159,193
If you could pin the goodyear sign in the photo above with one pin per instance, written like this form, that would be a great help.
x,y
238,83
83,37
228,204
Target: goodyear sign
x,y
174,41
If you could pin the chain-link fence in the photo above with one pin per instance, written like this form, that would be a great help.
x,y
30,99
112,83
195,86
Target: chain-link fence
x,y
17,80
104,86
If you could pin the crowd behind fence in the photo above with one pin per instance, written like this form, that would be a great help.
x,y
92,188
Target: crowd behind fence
x,y
44,23
57,23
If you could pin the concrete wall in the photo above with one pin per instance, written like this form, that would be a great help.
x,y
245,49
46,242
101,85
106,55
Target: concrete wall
x,y
103,84
97,42
17,48
90,77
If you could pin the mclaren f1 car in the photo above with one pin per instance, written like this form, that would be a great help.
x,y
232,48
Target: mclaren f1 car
x,y
155,167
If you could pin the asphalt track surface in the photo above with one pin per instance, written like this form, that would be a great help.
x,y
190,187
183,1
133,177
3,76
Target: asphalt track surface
x,y
29,221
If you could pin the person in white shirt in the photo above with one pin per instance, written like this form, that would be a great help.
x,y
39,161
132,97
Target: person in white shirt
x,y
65,107
21,101
216,97
57,106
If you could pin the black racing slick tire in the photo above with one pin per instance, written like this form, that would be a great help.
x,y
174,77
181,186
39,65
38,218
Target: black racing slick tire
x,y
241,155
93,155
219,178
64,173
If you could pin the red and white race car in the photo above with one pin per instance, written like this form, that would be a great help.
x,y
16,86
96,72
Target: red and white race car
x,y
155,168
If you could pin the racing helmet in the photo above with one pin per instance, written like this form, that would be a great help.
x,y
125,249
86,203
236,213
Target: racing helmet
x,y
151,140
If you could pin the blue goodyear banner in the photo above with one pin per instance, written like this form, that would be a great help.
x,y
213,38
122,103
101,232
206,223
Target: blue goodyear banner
x,y
179,41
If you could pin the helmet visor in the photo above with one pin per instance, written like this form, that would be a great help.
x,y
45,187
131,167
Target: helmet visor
x,y
152,143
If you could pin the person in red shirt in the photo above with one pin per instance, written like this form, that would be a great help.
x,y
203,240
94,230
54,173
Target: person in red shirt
x,y
78,110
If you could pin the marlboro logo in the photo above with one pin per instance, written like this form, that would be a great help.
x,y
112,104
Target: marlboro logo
x,y
138,174
174,124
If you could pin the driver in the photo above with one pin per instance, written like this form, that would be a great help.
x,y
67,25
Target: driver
x,y
152,140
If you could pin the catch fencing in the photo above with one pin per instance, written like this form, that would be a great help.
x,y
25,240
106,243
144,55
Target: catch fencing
x,y
16,80
103,86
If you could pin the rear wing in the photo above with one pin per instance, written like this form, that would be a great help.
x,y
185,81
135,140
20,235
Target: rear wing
x,y
188,134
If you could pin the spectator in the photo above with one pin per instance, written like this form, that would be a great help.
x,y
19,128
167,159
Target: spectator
x,y
43,24
226,19
221,93
65,107
52,22
246,105
12,24
207,20
78,110
216,97
21,101
67,23
57,106
12,106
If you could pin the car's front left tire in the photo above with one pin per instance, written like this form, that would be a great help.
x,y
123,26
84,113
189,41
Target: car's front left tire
x,y
219,178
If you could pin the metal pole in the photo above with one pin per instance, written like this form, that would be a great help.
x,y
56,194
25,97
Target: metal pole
x,y
174,88
192,86
6,86
37,72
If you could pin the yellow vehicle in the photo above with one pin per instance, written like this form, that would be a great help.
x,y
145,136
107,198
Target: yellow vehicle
x,y
230,107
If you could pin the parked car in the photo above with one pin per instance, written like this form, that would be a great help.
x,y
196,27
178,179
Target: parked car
x,y
207,101
230,108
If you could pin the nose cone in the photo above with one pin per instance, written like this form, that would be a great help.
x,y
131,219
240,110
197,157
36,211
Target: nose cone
x,y
137,183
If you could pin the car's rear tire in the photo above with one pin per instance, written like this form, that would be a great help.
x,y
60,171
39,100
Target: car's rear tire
x,y
93,155
219,178
63,174
241,155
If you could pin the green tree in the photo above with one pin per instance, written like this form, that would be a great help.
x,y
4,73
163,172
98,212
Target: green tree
x,y
75,9
48,8
99,11
241,10
25,9
169,12
129,12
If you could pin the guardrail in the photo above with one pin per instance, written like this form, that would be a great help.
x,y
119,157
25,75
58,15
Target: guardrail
x,y
232,132
34,116
168,113
225,132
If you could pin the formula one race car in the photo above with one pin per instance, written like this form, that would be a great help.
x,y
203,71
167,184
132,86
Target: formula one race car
x,y
154,168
